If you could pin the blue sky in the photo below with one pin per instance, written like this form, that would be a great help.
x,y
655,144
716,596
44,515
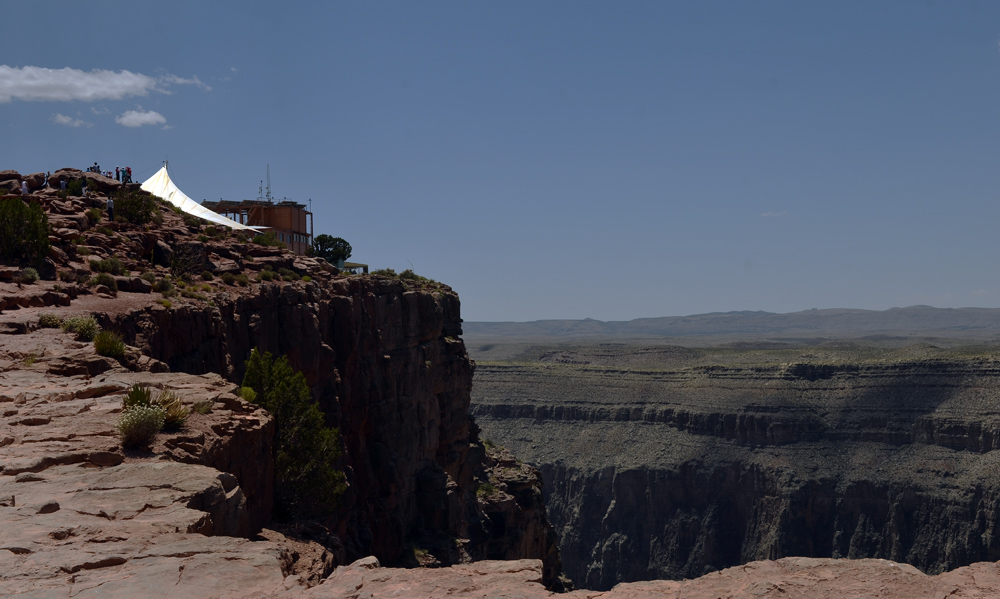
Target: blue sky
x,y
562,159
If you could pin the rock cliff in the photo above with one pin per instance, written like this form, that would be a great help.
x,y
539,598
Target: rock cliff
x,y
383,356
673,472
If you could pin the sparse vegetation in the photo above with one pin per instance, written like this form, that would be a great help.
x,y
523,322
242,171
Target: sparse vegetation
x,y
206,275
109,343
228,278
137,395
308,482
288,274
110,265
243,279
28,276
67,276
174,412
49,321
268,239
202,407
165,303
248,394
107,280
85,327
148,276
163,286
24,232
485,490
138,425
94,215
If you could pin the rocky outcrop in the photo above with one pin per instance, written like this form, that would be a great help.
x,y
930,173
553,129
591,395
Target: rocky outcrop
x,y
387,365
676,472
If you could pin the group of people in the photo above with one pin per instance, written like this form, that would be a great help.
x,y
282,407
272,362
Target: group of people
x,y
122,174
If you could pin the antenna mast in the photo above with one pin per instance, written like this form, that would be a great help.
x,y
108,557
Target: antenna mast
x,y
270,200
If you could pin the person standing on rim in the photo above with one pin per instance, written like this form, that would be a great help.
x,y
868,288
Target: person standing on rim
x,y
111,209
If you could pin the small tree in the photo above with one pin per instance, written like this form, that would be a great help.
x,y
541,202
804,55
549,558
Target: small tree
x,y
24,232
331,249
307,480
136,207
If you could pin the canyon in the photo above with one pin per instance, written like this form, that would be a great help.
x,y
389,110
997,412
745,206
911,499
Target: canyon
x,y
671,462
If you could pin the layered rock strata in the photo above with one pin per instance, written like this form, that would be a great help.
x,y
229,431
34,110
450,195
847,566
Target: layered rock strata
x,y
672,473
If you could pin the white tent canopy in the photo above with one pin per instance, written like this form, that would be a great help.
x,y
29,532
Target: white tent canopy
x,y
161,186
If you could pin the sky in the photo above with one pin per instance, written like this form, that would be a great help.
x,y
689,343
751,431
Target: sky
x,y
558,159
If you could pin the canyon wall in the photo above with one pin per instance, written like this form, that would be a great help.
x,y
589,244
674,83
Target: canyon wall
x,y
388,368
676,472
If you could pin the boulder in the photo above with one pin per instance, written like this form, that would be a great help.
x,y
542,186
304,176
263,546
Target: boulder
x,y
35,180
10,187
10,175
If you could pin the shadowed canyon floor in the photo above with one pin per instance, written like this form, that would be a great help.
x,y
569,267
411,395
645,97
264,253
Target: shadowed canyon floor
x,y
671,462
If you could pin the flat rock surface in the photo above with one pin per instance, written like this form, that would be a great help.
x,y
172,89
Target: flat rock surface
x,y
788,578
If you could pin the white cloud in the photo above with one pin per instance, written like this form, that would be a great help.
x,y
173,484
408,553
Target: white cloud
x,y
138,118
63,85
181,81
770,214
62,119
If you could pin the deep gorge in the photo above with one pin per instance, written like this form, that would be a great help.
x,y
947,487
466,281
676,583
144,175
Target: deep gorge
x,y
673,472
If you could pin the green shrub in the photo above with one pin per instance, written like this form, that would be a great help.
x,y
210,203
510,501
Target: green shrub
x,y
94,215
163,286
136,207
266,275
105,231
248,394
268,239
148,276
228,278
307,278
191,221
49,321
192,294
165,303
110,265
174,412
74,187
202,407
110,344
137,395
385,272
107,280
138,425
203,238
28,275
288,274
85,327
67,275
206,275
243,279
24,232
83,251
307,480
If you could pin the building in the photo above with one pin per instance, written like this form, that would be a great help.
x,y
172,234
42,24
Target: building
x,y
290,221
